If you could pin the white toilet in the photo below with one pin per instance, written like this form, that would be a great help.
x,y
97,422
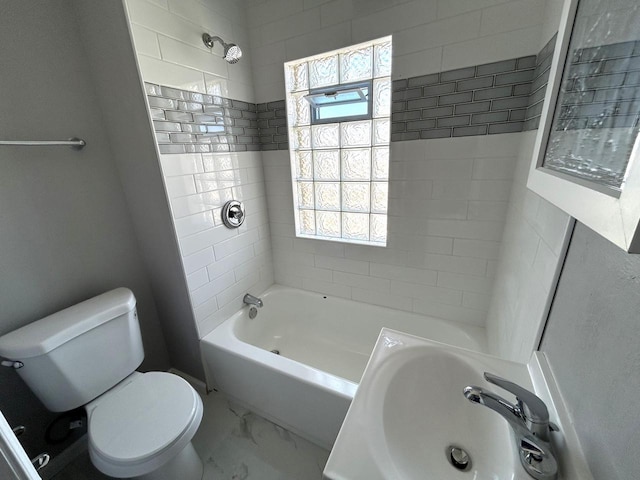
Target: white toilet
x,y
140,425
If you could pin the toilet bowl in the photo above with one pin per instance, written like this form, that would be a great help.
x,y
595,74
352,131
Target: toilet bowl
x,y
143,428
140,425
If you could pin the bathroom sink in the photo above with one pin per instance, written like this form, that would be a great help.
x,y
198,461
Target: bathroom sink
x,y
410,409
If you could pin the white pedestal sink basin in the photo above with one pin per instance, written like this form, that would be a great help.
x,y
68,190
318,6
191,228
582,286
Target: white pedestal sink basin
x,y
410,409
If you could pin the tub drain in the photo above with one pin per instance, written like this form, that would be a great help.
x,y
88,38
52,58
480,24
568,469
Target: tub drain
x,y
276,351
458,458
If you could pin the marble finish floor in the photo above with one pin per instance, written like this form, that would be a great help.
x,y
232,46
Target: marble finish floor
x,y
236,444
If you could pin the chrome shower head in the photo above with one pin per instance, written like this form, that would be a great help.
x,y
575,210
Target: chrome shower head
x,y
232,52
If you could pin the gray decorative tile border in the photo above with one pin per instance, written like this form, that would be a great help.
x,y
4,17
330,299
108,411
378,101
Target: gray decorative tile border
x,y
499,97
272,123
539,85
603,90
189,122
478,100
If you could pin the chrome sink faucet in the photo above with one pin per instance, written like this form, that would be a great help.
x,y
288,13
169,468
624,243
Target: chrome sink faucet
x,y
251,300
529,419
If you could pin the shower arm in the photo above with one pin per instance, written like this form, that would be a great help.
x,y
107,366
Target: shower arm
x,y
209,40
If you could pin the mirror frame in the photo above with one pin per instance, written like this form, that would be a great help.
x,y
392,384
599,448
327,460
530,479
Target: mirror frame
x,y
615,218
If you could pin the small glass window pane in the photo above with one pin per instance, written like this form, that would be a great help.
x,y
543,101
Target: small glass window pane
x,y
305,195
304,165
307,222
300,109
382,60
327,196
380,163
326,164
301,138
323,71
326,136
356,65
381,131
355,226
382,97
356,164
379,194
378,228
340,103
356,134
334,112
356,197
328,224
297,77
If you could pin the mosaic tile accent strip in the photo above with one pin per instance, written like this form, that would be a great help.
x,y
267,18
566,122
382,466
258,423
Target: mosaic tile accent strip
x,y
602,89
500,97
187,122
479,100
272,123
539,85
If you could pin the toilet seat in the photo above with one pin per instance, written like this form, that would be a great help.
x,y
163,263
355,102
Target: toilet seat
x,y
137,428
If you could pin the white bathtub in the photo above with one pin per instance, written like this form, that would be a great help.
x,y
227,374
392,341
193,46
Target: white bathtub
x,y
324,344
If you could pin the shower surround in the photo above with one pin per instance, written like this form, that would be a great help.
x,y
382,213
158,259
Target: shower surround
x,y
458,69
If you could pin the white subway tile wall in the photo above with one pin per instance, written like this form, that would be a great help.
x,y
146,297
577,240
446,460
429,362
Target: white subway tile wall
x,y
531,253
430,36
448,204
168,42
220,264
534,234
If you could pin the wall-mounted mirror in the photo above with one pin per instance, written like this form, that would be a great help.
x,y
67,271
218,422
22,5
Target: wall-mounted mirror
x,y
585,160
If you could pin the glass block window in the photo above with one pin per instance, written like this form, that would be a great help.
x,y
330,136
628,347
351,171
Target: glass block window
x,y
339,108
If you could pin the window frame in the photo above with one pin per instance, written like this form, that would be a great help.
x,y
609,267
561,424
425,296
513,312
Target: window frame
x,y
347,87
304,141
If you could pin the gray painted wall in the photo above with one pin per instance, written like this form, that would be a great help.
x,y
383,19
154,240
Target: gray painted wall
x,y
120,93
65,229
592,341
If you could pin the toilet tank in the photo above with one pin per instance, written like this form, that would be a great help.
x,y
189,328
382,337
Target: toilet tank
x,y
73,356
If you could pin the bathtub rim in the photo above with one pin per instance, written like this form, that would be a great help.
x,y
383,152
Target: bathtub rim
x,y
223,337
474,334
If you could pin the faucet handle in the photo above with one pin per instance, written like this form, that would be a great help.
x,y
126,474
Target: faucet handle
x,y
537,460
533,451
534,410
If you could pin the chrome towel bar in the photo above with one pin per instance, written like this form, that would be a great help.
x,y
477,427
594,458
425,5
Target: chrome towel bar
x,y
75,143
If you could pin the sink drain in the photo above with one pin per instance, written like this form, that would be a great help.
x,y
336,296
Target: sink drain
x,y
459,458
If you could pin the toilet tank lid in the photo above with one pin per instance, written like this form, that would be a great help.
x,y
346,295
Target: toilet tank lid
x,y
48,333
